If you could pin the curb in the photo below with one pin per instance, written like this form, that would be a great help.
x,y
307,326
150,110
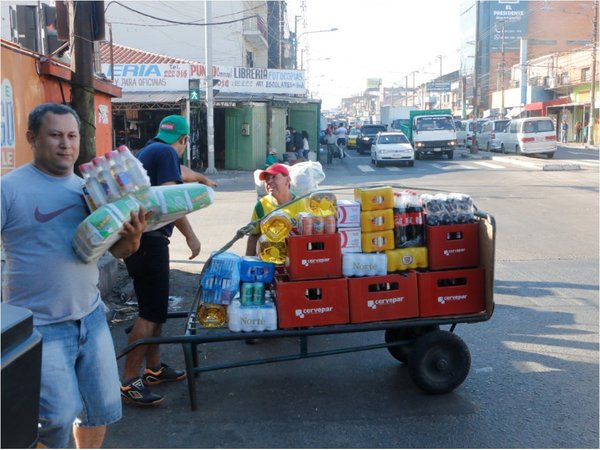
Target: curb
x,y
559,167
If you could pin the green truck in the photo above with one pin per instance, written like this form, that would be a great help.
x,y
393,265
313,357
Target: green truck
x,y
431,132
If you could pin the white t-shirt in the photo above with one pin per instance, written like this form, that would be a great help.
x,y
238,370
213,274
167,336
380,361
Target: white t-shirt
x,y
341,132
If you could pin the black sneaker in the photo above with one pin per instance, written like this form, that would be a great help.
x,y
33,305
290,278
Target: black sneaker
x,y
162,375
136,393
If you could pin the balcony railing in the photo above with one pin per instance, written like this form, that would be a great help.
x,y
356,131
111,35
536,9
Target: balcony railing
x,y
255,30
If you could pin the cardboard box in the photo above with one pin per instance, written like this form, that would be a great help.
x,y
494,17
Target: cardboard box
x,y
316,256
452,246
451,292
348,214
350,240
311,303
386,297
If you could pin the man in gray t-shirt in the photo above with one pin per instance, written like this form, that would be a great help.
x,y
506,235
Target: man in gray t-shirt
x,y
42,206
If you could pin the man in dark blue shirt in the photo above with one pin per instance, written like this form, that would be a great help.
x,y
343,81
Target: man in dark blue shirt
x,y
149,266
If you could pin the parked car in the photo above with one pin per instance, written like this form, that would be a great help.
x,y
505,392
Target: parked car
x,y
352,141
464,134
486,137
392,146
367,136
528,136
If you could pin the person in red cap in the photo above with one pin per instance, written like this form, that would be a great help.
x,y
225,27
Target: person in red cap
x,y
277,182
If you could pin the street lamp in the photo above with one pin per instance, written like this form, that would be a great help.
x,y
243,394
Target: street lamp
x,y
308,60
297,38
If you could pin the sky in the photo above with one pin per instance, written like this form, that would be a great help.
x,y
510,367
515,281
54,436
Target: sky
x,y
387,39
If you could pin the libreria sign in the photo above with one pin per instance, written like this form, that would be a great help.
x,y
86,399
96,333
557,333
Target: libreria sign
x,y
175,78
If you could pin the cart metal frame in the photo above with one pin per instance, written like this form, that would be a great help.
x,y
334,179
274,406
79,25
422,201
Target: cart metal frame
x,y
196,335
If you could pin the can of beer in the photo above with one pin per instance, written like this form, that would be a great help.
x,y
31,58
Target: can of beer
x,y
258,292
306,223
330,225
247,294
318,225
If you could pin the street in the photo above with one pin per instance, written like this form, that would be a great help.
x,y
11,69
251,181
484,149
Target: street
x,y
535,368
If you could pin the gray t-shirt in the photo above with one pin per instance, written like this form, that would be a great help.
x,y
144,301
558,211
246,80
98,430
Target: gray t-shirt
x,y
42,273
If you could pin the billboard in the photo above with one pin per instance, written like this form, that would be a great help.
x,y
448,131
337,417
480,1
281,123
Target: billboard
x,y
510,16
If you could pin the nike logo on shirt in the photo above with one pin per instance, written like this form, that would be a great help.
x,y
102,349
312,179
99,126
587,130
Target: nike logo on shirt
x,y
46,217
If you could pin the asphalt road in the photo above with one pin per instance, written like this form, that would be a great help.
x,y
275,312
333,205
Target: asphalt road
x,y
534,376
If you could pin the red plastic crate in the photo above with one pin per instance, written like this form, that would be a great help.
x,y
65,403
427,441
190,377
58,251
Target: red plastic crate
x,y
385,297
312,257
452,246
451,292
311,303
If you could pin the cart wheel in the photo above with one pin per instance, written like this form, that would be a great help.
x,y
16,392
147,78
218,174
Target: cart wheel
x,y
401,352
439,362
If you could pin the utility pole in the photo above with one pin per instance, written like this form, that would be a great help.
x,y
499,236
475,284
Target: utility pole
x,y
590,135
82,66
502,72
474,148
210,126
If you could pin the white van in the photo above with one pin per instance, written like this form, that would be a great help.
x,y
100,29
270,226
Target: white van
x,y
464,133
486,136
529,136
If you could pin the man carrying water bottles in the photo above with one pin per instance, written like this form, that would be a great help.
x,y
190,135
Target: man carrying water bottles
x,y
41,209
149,266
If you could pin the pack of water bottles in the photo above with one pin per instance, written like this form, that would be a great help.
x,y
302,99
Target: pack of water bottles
x,y
112,176
446,209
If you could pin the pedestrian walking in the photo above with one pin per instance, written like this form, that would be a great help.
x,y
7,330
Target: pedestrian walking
x,y
305,145
564,129
578,127
41,209
149,268
331,144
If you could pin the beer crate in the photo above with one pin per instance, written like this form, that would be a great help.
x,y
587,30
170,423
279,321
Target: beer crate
x,y
452,246
385,297
311,303
314,256
451,292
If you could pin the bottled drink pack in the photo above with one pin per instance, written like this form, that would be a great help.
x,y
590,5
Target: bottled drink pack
x,y
372,199
364,264
408,220
402,259
446,209
272,252
221,281
253,269
249,318
276,226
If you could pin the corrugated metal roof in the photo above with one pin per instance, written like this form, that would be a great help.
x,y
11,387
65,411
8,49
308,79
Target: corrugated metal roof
x,y
128,55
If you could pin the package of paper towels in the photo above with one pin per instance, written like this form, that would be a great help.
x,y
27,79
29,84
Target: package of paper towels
x,y
99,231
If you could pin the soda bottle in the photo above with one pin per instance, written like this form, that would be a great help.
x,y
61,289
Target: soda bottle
x,y
134,167
212,315
104,177
93,186
400,220
119,173
414,212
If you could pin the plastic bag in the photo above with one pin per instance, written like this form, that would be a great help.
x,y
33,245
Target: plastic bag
x,y
306,177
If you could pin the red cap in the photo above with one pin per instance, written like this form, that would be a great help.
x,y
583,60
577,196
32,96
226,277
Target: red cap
x,y
274,170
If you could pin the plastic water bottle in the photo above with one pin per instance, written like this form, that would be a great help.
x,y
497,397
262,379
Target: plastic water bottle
x,y
348,264
119,173
234,315
270,316
134,167
104,177
92,184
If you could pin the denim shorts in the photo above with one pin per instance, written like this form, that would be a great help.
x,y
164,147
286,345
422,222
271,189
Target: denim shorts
x,y
80,380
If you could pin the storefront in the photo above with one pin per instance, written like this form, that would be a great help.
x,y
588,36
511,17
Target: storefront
x,y
29,79
252,108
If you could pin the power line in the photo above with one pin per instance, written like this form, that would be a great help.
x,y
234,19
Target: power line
x,y
175,22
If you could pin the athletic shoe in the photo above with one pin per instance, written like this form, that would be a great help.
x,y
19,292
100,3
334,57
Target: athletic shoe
x,y
136,393
162,375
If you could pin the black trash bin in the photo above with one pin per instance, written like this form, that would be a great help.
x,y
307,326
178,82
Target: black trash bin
x,y
21,371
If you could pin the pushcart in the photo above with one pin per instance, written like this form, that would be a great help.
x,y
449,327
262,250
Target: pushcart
x,y
438,360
